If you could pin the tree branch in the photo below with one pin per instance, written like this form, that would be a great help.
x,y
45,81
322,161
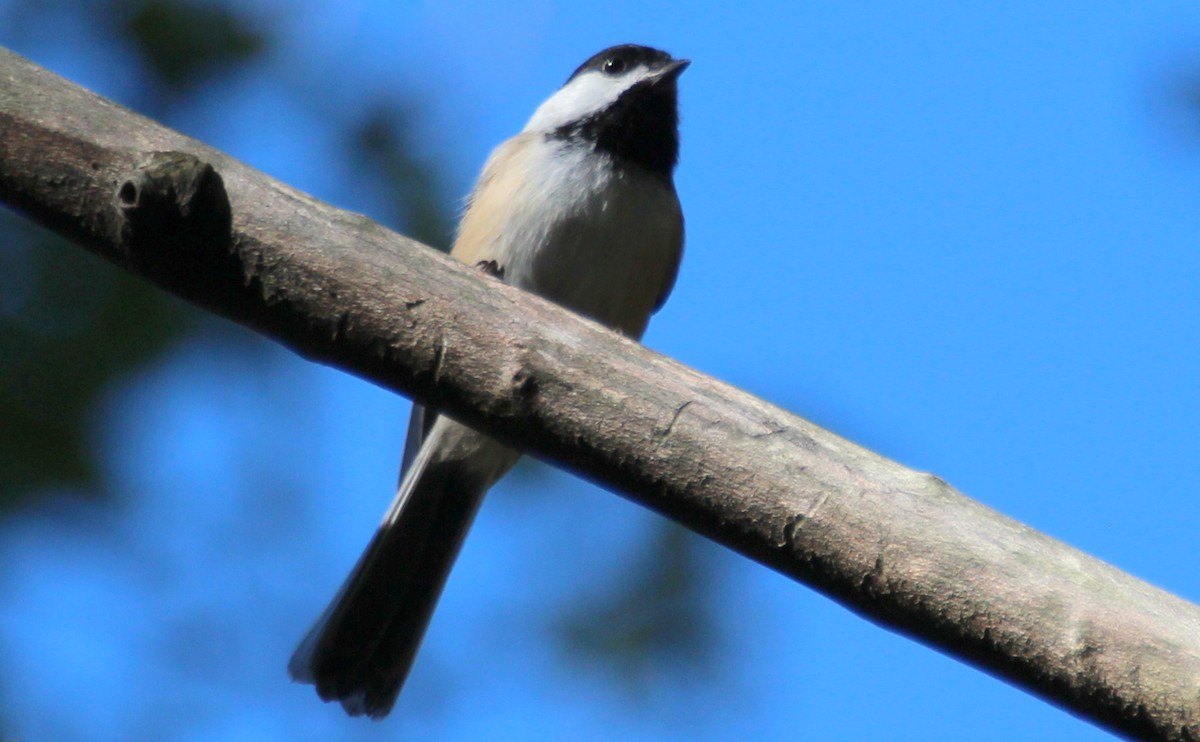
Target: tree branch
x,y
899,547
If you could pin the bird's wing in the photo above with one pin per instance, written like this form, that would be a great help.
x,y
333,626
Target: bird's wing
x,y
668,283
476,243
484,221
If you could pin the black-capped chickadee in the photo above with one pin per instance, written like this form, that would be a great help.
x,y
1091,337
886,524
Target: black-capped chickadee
x,y
580,207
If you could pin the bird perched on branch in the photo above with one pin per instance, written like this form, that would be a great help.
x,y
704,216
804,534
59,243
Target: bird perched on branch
x,y
580,208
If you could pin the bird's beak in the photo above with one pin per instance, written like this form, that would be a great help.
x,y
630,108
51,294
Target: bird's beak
x,y
673,69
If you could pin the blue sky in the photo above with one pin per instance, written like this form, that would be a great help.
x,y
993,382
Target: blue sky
x,y
963,236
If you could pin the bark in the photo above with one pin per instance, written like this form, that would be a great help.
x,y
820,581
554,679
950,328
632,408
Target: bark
x,y
899,547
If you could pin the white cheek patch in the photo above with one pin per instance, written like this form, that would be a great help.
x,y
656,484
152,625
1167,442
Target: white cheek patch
x,y
588,93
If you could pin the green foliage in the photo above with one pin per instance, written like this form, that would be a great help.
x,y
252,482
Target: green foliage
x,y
655,621
383,143
70,325
182,44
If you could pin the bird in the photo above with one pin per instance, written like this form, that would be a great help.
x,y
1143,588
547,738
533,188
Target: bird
x,y
580,207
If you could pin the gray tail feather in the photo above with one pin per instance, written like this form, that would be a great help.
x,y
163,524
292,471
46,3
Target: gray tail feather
x,y
361,649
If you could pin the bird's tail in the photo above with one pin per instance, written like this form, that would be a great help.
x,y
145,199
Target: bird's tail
x,y
361,649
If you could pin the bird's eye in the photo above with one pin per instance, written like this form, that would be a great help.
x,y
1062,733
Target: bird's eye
x,y
613,66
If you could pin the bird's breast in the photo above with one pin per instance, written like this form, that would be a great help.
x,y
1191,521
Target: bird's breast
x,y
599,240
